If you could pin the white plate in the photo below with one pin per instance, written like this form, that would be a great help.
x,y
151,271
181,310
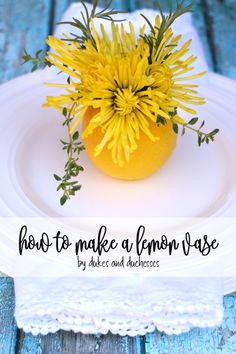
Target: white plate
x,y
194,182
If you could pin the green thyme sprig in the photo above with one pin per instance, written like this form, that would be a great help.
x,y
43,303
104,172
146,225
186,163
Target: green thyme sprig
x,y
201,135
85,25
166,22
68,183
37,61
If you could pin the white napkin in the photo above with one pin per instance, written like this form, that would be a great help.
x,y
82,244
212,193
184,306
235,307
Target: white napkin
x,y
123,306
119,304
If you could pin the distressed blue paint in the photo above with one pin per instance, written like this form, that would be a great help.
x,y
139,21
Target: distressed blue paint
x,y
221,21
69,342
116,4
200,22
8,328
29,344
23,24
61,5
50,344
221,340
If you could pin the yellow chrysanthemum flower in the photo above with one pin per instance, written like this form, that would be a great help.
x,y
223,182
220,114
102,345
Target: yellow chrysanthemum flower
x,y
129,85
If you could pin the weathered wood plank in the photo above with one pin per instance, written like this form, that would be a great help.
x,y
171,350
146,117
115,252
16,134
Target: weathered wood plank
x,y
59,7
8,327
69,342
199,341
29,344
116,4
23,24
221,23
201,24
120,345
62,5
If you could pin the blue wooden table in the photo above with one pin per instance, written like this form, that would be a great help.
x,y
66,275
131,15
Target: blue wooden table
x,y
26,24
197,341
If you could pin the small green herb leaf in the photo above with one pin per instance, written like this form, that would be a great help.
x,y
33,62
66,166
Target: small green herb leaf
x,y
193,121
57,178
64,112
175,128
63,199
75,136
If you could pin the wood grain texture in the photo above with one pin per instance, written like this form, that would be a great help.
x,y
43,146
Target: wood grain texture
x,y
23,24
61,5
26,24
8,327
221,23
69,342
221,340
201,24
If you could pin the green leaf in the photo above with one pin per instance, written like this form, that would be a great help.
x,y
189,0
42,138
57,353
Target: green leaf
x,y
202,124
75,171
38,52
199,140
175,128
161,120
63,199
35,67
64,112
215,131
148,22
77,188
63,142
57,178
26,58
75,135
193,121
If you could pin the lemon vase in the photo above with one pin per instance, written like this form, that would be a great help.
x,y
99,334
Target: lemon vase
x,y
148,158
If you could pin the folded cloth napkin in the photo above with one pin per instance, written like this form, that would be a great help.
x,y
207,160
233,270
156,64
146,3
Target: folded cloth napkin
x,y
122,305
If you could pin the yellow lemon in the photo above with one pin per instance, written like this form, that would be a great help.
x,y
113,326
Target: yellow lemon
x,y
144,161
